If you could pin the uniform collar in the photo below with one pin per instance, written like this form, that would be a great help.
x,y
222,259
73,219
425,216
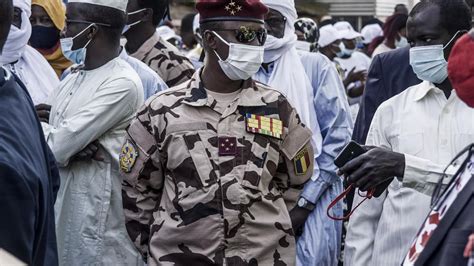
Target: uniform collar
x,y
196,95
146,47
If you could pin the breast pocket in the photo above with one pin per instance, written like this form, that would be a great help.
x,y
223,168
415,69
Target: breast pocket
x,y
190,163
262,164
411,143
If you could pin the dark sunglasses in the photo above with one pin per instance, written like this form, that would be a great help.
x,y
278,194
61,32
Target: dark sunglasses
x,y
247,35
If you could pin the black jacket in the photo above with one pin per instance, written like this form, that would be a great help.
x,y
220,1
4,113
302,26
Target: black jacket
x,y
29,179
390,73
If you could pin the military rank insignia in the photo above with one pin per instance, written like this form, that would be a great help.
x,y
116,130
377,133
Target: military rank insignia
x,y
264,125
302,162
128,156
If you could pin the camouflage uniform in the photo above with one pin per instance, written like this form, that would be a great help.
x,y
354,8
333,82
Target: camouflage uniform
x,y
186,203
166,60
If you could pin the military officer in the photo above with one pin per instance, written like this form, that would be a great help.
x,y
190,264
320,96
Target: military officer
x,y
212,167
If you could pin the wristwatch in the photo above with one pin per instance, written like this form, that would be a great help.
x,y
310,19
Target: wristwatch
x,y
305,204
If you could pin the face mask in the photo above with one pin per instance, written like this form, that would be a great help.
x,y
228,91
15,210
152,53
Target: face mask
x,y
44,37
347,52
341,47
16,42
403,42
428,62
303,46
128,26
77,56
243,60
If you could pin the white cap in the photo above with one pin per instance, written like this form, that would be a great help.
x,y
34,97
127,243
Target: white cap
x,y
117,4
346,31
370,32
327,35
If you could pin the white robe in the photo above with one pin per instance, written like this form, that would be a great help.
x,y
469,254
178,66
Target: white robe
x,y
88,106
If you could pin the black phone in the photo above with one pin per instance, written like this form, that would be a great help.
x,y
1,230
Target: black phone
x,y
351,151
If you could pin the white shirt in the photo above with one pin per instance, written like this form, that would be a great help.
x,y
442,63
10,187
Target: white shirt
x,y
36,73
359,61
430,130
92,105
382,48
152,83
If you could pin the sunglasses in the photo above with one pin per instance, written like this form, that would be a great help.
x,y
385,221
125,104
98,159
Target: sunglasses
x,y
247,35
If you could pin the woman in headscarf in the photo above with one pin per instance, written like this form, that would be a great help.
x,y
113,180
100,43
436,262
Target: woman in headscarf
x,y
47,19
23,60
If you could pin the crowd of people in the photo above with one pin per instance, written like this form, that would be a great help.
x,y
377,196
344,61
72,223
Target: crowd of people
x,y
124,142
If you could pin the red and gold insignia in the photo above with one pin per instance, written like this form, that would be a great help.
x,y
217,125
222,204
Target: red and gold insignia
x,y
302,162
264,125
233,8
128,156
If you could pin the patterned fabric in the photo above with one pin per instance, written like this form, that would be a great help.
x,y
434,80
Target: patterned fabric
x,y
186,204
166,60
436,216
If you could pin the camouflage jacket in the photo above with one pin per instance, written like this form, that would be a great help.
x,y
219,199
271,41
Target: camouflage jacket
x,y
166,60
200,188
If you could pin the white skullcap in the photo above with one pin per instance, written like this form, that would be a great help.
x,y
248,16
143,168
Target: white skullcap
x,y
346,31
327,35
370,32
117,4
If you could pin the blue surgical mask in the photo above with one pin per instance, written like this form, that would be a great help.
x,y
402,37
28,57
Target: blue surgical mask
x,y
428,62
77,56
342,48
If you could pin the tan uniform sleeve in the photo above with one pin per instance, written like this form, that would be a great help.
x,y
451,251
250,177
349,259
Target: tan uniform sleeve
x,y
298,159
142,182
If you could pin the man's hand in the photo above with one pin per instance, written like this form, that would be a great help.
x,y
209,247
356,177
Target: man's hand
x,y
374,169
354,76
43,111
92,151
298,217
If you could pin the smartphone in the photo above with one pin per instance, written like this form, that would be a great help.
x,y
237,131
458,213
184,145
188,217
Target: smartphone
x,y
351,151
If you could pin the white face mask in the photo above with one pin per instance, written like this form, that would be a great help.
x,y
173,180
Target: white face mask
x,y
128,26
303,46
16,42
403,42
243,60
428,62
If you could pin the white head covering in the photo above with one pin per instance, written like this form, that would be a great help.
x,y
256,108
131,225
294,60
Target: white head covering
x,y
289,75
196,24
167,33
327,35
117,4
370,32
346,31
18,38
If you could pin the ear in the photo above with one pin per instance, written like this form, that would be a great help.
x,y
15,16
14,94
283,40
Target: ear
x,y
210,39
147,15
92,31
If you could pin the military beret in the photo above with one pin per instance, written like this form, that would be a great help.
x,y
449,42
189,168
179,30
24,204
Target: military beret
x,y
461,67
231,10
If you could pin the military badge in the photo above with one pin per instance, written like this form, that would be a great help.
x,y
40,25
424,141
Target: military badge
x,y
227,146
128,156
302,162
264,125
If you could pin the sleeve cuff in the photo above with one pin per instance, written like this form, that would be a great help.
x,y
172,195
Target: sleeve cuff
x,y
314,189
